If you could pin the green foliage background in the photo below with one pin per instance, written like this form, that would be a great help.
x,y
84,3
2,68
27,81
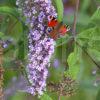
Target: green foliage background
x,y
77,56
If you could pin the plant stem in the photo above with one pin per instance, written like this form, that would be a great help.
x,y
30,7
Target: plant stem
x,y
1,73
75,18
59,97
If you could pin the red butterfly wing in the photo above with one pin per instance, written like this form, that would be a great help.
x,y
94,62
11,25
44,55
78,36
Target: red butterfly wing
x,y
52,23
63,30
54,34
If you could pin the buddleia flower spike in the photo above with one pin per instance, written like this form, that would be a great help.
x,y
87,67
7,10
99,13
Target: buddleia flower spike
x,y
40,45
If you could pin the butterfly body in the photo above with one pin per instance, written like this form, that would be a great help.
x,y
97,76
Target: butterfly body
x,y
58,28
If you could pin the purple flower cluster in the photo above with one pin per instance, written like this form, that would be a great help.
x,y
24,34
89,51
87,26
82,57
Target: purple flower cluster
x,y
41,46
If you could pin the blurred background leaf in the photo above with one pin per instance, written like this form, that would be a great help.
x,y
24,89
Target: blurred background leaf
x,y
59,7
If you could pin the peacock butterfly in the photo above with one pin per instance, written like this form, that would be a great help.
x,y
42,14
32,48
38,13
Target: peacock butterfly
x,y
56,29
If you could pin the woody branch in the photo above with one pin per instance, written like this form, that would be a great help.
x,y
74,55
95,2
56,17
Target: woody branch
x,y
1,72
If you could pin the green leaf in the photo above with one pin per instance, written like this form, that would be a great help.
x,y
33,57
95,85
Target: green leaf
x,y
95,19
81,60
46,97
94,54
90,41
21,50
15,29
59,7
9,11
23,45
74,63
63,40
89,36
